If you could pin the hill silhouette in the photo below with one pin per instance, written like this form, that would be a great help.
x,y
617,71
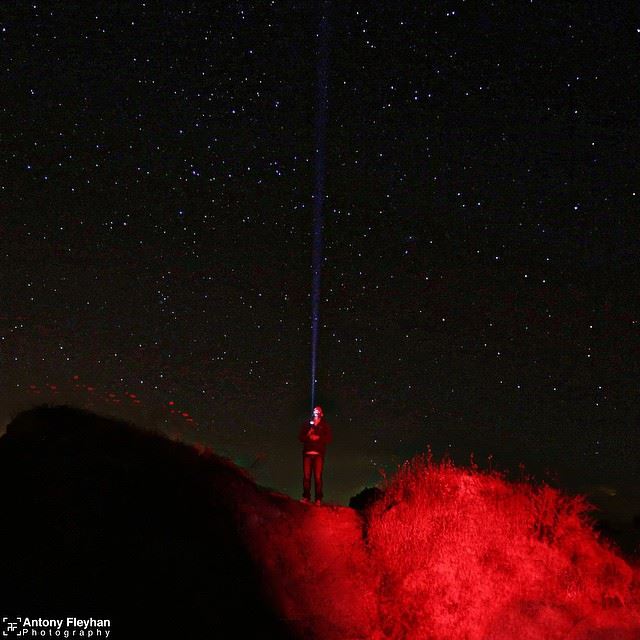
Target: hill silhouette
x,y
103,519
107,520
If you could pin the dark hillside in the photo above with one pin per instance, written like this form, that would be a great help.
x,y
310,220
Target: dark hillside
x,y
107,520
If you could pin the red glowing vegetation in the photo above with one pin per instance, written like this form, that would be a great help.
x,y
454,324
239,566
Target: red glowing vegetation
x,y
450,554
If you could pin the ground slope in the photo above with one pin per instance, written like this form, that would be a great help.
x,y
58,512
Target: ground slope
x,y
111,521
105,520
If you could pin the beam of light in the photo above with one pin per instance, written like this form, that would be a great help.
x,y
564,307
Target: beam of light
x,y
318,195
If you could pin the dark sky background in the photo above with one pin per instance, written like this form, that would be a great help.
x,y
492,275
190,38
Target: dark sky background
x,y
480,281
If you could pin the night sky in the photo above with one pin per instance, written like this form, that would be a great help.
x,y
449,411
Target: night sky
x,y
481,257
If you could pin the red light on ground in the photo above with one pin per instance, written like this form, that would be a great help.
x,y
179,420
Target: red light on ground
x,y
32,386
53,387
171,403
76,378
132,395
91,389
184,415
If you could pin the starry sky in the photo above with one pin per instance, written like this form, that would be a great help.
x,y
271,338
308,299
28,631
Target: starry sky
x,y
480,267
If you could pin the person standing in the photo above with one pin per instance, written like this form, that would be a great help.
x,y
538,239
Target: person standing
x,y
315,436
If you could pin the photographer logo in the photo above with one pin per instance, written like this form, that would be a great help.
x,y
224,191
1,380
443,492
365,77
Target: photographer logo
x,y
70,627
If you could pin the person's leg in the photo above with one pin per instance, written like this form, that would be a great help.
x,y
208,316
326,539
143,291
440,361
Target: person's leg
x,y
317,472
306,476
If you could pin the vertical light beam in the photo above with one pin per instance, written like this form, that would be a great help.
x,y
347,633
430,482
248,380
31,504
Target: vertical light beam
x,y
318,195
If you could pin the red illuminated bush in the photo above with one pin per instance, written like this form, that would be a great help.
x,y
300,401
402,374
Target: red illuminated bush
x,y
466,555
448,554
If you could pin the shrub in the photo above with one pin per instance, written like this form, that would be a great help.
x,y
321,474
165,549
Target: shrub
x,y
467,555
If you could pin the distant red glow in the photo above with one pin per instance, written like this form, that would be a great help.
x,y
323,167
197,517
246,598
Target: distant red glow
x,y
90,396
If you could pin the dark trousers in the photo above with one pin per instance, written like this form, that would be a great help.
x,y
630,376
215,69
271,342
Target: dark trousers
x,y
315,462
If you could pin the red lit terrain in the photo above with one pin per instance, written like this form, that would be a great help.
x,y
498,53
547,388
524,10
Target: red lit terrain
x,y
448,554
165,538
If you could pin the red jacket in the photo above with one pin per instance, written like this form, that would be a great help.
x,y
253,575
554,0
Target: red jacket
x,y
322,429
